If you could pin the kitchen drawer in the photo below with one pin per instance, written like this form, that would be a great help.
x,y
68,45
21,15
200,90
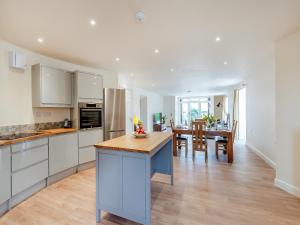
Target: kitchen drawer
x,y
29,144
29,157
90,137
27,177
5,174
87,154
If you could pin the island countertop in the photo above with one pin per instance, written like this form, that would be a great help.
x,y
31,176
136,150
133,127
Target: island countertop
x,y
131,144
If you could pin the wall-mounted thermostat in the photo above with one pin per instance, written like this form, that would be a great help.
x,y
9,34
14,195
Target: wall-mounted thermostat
x,y
17,60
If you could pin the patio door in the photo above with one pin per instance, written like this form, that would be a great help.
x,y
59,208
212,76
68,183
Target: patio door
x,y
193,108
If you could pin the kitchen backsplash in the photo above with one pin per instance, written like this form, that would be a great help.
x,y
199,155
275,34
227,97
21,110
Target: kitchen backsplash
x,y
27,127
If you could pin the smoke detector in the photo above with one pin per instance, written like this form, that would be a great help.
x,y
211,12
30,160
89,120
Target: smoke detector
x,y
140,17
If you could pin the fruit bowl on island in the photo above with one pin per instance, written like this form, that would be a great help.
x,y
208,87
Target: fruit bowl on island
x,y
140,132
139,135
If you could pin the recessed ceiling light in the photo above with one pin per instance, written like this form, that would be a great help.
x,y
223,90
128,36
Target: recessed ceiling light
x,y
132,74
172,70
40,40
156,51
117,59
93,22
152,85
218,39
225,62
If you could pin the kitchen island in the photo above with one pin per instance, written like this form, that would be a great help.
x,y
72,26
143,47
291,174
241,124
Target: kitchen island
x,y
124,169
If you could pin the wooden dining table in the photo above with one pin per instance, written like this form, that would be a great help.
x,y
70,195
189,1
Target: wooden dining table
x,y
209,132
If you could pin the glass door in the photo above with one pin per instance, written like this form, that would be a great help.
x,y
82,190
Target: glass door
x,y
194,111
193,108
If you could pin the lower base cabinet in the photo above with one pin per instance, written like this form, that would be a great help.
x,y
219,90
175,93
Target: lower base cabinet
x,y
5,174
87,140
25,178
29,164
63,152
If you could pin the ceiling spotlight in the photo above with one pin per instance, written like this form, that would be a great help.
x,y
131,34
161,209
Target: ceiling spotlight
x,y
117,59
225,62
152,85
156,51
131,74
172,70
92,22
218,39
40,40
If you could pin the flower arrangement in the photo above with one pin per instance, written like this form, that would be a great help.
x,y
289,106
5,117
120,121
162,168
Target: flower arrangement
x,y
210,120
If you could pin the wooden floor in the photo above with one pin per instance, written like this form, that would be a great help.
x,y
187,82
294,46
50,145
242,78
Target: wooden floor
x,y
217,193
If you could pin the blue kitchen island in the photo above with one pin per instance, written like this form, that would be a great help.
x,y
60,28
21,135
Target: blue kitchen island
x,y
124,169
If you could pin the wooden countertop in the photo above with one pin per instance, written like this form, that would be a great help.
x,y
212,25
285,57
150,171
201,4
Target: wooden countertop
x,y
43,133
59,131
131,144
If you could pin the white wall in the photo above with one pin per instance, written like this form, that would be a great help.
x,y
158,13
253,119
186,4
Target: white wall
x,y
133,95
260,110
287,114
15,88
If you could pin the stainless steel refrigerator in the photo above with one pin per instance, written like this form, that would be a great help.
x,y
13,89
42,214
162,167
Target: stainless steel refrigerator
x,y
114,113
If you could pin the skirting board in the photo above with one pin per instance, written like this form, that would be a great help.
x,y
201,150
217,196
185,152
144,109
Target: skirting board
x,y
287,187
270,162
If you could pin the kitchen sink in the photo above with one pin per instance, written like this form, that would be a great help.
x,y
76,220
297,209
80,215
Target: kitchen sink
x,y
18,135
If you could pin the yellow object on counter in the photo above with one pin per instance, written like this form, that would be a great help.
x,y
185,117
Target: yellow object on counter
x,y
135,120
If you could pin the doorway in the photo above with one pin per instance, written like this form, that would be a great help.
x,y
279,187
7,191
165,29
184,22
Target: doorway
x,y
192,108
242,114
144,111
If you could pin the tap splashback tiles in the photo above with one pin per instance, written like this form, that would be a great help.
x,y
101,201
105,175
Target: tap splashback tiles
x,y
27,127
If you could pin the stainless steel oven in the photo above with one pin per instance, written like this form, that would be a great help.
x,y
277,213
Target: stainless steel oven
x,y
90,115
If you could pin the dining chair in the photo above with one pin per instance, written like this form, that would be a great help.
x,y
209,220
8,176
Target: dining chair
x,y
221,142
200,120
180,140
205,123
199,141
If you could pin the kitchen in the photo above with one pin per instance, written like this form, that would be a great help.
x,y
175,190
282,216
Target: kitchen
x,y
62,113
149,112
45,152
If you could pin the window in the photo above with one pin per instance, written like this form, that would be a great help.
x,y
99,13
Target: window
x,y
193,108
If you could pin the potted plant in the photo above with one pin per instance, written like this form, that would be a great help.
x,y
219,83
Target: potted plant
x,y
210,120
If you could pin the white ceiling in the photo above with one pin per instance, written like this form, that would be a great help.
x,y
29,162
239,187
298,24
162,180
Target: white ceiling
x,y
183,30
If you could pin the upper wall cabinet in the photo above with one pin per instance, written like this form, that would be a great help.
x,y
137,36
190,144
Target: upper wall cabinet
x,y
89,86
51,87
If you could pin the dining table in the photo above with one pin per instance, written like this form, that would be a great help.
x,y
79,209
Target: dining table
x,y
208,132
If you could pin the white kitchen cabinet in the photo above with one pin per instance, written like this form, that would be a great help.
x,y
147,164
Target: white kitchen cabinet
x,y
27,177
63,152
29,164
51,87
87,139
89,86
5,174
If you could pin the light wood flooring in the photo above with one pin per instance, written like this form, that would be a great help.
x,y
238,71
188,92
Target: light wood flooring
x,y
212,194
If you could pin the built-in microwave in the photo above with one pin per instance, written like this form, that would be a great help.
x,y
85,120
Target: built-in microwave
x,y
90,115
